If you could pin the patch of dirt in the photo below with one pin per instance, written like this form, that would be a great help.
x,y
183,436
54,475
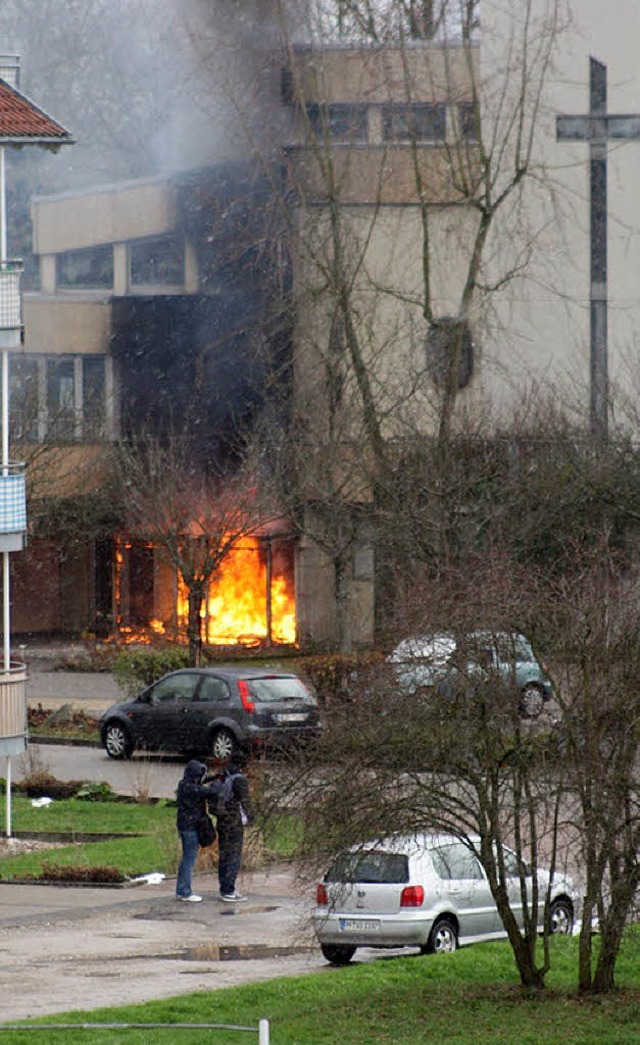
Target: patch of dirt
x,y
15,846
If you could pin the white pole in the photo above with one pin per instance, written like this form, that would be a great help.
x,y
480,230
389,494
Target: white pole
x,y
8,805
263,1032
6,600
3,210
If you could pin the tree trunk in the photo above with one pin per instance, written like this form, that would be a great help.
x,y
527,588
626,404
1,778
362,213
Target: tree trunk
x,y
194,624
342,589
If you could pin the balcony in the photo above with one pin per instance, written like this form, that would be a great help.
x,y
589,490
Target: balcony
x,y
13,509
13,709
10,304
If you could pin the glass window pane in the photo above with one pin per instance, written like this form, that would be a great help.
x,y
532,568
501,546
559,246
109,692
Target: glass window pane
x,y
157,261
370,866
93,397
23,399
85,268
468,121
61,398
414,122
340,122
213,689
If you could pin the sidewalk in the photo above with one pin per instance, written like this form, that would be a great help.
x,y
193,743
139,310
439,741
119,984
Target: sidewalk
x,y
76,948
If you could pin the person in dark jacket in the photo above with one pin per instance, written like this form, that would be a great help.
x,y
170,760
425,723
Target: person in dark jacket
x,y
192,806
238,812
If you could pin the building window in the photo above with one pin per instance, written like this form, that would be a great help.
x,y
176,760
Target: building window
x,y
59,398
94,414
85,269
468,123
157,262
23,399
414,122
338,121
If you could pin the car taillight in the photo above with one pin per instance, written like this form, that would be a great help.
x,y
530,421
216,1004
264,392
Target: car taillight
x,y
245,696
321,894
412,896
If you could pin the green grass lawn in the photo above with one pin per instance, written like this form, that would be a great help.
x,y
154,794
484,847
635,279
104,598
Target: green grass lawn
x,y
153,845
469,998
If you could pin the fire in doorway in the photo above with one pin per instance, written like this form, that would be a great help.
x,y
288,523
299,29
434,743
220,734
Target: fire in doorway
x,y
250,600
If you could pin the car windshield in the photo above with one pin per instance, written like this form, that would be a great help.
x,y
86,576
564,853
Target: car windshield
x,y
272,689
371,865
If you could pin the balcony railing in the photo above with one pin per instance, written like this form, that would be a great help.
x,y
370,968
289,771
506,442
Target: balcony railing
x,y
13,508
10,296
13,708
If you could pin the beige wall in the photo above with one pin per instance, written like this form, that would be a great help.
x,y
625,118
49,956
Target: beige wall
x,y
55,325
375,74
110,215
315,602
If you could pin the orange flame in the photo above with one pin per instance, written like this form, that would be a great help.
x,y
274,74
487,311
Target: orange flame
x,y
236,606
235,611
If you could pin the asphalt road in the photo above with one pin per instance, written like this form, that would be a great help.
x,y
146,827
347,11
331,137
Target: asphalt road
x,y
153,776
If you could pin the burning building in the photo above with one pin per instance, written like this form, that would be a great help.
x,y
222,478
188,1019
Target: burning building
x,y
160,311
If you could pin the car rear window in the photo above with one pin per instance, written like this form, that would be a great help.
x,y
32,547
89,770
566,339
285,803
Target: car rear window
x,y
272,689
369,866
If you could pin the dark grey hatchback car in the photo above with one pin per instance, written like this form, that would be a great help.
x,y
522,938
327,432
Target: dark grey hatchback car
x,y
212,711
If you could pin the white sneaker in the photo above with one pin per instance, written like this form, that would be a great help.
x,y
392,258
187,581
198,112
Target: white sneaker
x,y
194,898
234,897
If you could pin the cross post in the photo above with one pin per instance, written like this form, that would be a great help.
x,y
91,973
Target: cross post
x,y
598,127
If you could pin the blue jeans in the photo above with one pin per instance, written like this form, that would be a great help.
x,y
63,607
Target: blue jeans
x,y
189,841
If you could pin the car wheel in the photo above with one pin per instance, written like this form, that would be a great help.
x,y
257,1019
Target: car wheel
x,y
223,744
531,700
561,917
337,953
117,741
443,938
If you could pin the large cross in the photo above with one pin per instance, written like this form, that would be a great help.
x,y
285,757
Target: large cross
x,y
598,128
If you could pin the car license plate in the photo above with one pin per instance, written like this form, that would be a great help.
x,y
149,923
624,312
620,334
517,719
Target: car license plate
x,y
359,925
300,717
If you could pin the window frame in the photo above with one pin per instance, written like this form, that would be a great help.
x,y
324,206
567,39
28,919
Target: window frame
x,y
430,122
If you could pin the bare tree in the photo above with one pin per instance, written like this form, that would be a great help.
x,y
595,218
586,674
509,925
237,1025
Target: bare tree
x,y
195,513
460,760
598,654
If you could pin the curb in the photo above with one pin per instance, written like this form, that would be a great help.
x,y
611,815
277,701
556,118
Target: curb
x,y
64,741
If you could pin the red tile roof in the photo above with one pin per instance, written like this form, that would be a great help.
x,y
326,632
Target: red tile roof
x,y
22,122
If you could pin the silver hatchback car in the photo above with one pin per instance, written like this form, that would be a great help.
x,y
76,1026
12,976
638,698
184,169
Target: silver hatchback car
x,y
426,891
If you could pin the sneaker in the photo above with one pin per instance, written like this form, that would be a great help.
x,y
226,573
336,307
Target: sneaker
x,y
234,897
194,898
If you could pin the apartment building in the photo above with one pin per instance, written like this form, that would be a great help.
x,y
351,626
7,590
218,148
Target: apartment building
x,y
382,174
146,319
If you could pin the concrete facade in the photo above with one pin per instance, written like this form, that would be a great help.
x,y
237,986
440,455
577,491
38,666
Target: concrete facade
x,y
353,150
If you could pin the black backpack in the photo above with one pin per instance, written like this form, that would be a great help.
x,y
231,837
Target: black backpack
x,y
223,784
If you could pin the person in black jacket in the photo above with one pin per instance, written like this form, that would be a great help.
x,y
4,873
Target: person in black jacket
x,y
238,812
192,806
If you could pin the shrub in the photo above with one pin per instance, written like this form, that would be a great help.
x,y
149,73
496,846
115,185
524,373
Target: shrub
x,y
134,670
340,677
83,873
43,784
74,722
99,791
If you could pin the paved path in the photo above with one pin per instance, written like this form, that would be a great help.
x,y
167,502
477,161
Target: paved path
x,y
65,949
